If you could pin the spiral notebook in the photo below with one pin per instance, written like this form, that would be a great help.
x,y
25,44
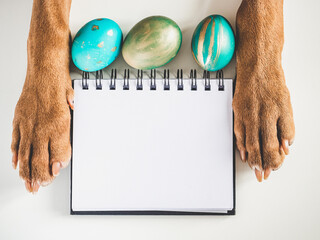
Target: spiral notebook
x,y
148,145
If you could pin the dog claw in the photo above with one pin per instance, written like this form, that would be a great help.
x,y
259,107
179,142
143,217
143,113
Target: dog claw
x,y
56,168
36,186
243,155
258,175
14,160
267,173
285,146
70,102
28,186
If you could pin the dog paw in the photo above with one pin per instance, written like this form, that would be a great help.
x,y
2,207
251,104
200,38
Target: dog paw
x,y
263,121
41,134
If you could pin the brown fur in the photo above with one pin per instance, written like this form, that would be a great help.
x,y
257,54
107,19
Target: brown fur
x,y
41,124
262,107
263,113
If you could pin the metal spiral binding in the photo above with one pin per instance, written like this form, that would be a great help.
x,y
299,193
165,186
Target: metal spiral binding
x,y
180,79
139,79
99,76
193,77
126,79
113,79
221,80
153,80
85,77
166,79
207,84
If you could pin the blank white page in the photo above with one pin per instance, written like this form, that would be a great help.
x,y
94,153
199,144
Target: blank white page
x,y
152,149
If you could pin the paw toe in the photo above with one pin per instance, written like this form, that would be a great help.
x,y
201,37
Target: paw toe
x,y
239,131
253,148
40,169
254,158
273,158
286,128
60,152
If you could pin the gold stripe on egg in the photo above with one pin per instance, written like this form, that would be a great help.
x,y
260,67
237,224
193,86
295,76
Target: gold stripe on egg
x,y
211,43
202,36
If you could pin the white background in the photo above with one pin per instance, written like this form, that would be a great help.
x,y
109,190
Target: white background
x,y
284,207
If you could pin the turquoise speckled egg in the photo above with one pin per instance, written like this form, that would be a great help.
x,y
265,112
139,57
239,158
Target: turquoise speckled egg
x,y
152,43
96,45
213,43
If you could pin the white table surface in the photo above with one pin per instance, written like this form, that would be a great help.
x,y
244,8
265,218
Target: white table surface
x,y
284,207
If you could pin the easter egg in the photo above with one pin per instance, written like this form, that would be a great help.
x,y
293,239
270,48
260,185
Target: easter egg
x,y
152,42
96,45
213,43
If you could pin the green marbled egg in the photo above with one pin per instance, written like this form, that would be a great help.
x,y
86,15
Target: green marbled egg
x,y
213,43
152,43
